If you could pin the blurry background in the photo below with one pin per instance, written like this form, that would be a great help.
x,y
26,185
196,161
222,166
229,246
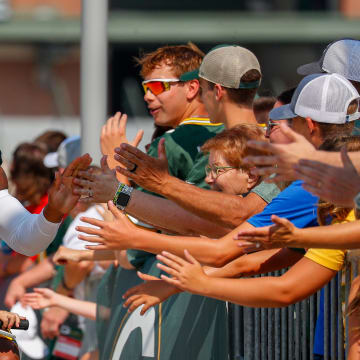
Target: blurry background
x,y
40,51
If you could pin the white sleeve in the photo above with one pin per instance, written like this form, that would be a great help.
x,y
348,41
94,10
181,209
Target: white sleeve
x,y
26,233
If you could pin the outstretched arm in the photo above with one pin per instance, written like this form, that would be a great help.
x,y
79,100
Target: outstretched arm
x,y
122,234
28,233
285,234
295,285
43,298
152,173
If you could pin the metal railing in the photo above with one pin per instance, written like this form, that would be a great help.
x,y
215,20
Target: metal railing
x,y
288,333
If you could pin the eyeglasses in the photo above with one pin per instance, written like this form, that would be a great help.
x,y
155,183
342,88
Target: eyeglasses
x,y
158,86
216,171
271,124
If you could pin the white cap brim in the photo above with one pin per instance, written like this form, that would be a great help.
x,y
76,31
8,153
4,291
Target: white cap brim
x,y
51,160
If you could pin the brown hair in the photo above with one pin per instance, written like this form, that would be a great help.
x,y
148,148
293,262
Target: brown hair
x,y
262,106
52,139
243,96
232,144
182,58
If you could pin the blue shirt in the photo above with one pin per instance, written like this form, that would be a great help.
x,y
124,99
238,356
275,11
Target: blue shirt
x,y
294,203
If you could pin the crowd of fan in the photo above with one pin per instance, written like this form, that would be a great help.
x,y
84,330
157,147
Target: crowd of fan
x,y
227,174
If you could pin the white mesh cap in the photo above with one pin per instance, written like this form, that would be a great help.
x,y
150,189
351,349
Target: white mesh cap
x,y
339,57
68,151
324,98
226,65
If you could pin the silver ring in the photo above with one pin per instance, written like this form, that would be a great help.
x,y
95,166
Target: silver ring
x,y
257,245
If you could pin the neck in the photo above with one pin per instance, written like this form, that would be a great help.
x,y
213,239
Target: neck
x,y
194,109
234,115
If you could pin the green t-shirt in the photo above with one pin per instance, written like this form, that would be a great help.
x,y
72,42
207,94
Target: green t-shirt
x,y
185,325
267,191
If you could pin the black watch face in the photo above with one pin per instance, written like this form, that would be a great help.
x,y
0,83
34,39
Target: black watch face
x,y
123,199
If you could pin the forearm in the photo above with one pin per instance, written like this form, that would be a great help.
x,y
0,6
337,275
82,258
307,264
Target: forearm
x,y
340,236
75,273
78,307
36,275
25,233
98,255
165,214
207,251
334,158
226,210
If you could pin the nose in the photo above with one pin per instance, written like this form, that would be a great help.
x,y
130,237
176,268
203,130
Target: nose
x,y
209,179
149,96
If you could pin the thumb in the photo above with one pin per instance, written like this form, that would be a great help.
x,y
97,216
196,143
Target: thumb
x,y
138,138
118,215
104,164
162,150
345,158
281,221
190,258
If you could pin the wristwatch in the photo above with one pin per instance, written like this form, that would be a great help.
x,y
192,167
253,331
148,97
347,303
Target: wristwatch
x,y
122,196
357,202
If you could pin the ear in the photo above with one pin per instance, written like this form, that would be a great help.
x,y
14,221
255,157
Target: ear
x,y
252,180
193,89
312,125
219,92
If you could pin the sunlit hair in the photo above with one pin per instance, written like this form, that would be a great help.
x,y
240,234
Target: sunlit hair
x,y
182,58
232,144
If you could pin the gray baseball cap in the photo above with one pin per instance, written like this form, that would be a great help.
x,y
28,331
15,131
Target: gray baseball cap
x,y
339,57
324,98
68,151
226,65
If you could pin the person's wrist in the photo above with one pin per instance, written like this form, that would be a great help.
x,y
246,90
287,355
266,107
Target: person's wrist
x,y
52,214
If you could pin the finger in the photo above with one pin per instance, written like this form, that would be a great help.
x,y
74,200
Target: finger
x,y
104,164
281,221
138,138
127,159
169,262
248,248
86,184
125,172
11,321
86,175
145,308
262,146
131,292
122,120
131,151
86,200
190,258
345,158
95,247
136,304
57,181
146,277
17,322
130,300
171,281
125,162
175,258
92,221
167,269
100,210
93,239
5,323
118,214
267,170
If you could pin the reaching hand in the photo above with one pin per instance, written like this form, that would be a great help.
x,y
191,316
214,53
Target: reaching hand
x,y
41,298
113,134
51,321
96,187
338,185
65,255
283,158
269,237
186,275
150,173
14,293
61,197
152,292
9,319
109,235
